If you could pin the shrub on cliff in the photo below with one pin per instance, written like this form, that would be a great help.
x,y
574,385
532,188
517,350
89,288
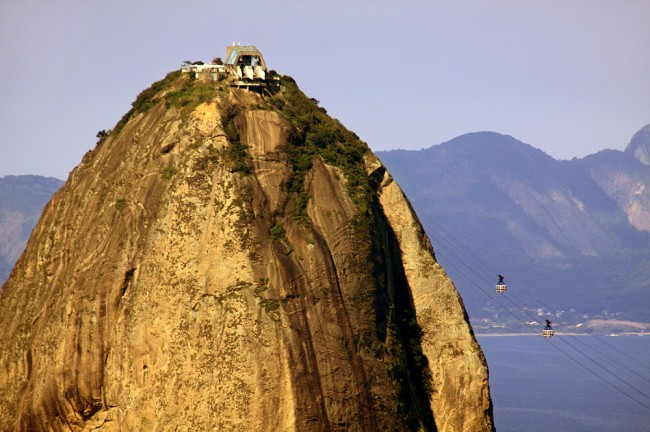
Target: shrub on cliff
x,y
319,134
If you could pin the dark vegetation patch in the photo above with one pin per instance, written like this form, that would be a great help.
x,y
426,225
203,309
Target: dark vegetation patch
x,y
120,204
318,134
277,232
88,158
234,155
101,136
168,172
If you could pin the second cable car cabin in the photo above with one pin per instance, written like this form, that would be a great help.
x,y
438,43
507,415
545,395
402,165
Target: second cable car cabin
x,y
501,286
548,330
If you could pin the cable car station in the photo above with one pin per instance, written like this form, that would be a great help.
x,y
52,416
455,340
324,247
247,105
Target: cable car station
x,y
244,65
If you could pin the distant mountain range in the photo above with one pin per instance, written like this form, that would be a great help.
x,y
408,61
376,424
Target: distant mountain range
x,y
572,237
21,202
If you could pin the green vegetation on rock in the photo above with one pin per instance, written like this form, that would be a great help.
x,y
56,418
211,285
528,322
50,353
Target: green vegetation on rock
x,y
233,155
277,232
319,134
168,172
120,204
184,92
146,99
192,93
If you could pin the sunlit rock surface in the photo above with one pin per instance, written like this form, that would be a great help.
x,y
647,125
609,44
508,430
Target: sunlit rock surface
x,y
168,287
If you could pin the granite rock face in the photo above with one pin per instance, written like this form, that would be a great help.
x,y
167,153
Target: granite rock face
x,y
177,283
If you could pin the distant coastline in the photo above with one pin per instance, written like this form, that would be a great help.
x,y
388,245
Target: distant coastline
x,y
594,327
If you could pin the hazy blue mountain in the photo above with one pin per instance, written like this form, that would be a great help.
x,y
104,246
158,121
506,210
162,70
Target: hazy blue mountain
x,y
21,202
567,234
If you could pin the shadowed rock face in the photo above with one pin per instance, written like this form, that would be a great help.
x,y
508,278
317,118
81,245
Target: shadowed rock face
x,y
167,288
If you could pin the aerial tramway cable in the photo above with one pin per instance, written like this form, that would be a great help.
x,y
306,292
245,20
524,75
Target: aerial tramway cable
x,y
590,358
564,352
526,324
623,392
490,270
601,340
578,339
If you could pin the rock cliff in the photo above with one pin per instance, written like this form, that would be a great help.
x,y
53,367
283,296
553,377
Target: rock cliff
x,y
626,180
226,260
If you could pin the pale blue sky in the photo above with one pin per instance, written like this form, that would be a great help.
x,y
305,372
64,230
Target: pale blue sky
x,y
568,77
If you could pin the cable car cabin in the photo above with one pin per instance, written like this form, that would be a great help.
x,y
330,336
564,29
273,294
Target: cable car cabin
x,y
548,330
501,286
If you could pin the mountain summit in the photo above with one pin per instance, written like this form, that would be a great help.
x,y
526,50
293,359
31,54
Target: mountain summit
x,y
227,259
639,146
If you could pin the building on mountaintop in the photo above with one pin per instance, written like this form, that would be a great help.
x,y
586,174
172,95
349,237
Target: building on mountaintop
x,y
244,63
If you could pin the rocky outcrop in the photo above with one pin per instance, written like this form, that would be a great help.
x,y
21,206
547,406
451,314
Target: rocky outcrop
x,y
639,146
626,180
201,270
431,288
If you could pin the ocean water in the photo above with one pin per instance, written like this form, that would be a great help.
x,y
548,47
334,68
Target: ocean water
x,y
540,385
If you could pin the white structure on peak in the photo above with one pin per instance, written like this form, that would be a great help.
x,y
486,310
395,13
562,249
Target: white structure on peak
x,y
244,62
